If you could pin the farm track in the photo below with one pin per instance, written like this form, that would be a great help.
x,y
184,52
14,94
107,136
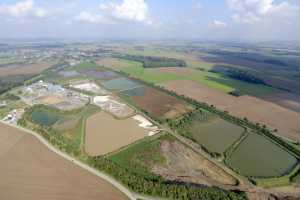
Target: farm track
x,y
131,195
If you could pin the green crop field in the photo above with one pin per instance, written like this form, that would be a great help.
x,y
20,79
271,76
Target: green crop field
x,y
211,132
258,157
216,135
149,75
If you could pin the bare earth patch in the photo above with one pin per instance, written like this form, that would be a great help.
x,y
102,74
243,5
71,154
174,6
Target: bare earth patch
x,y
256,110
105,134
29,170
23,69
184,165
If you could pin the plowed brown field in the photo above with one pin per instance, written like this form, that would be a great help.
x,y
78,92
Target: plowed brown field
x,y
160,104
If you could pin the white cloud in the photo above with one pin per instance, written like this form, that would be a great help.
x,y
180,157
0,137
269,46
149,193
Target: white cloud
x,y
130,10
85,16
219,23
250,11
22,9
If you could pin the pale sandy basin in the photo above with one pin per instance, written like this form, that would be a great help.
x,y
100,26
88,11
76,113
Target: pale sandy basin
x,y
105,134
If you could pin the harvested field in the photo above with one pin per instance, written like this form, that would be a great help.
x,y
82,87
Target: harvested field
x,y
258,157
105,134
121,84
216,134
256,110
159,104
23,69
29,170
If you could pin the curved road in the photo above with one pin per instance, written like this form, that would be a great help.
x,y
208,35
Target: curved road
x,y
131,195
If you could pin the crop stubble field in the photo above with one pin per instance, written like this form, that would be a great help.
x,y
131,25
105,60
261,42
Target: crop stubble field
x,y
29,170
215,134
258,157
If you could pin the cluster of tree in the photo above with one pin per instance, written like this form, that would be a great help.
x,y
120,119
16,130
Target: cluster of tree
x,y
154,62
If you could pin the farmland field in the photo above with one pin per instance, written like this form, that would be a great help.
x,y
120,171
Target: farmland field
x,y
157,103
258,157
215,134
23,69
105,134
29,170
166,157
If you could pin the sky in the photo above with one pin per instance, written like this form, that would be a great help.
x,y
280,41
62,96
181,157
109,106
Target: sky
x,y
151,19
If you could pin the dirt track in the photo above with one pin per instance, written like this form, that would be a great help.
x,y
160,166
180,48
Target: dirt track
x,y
30,171
256,110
